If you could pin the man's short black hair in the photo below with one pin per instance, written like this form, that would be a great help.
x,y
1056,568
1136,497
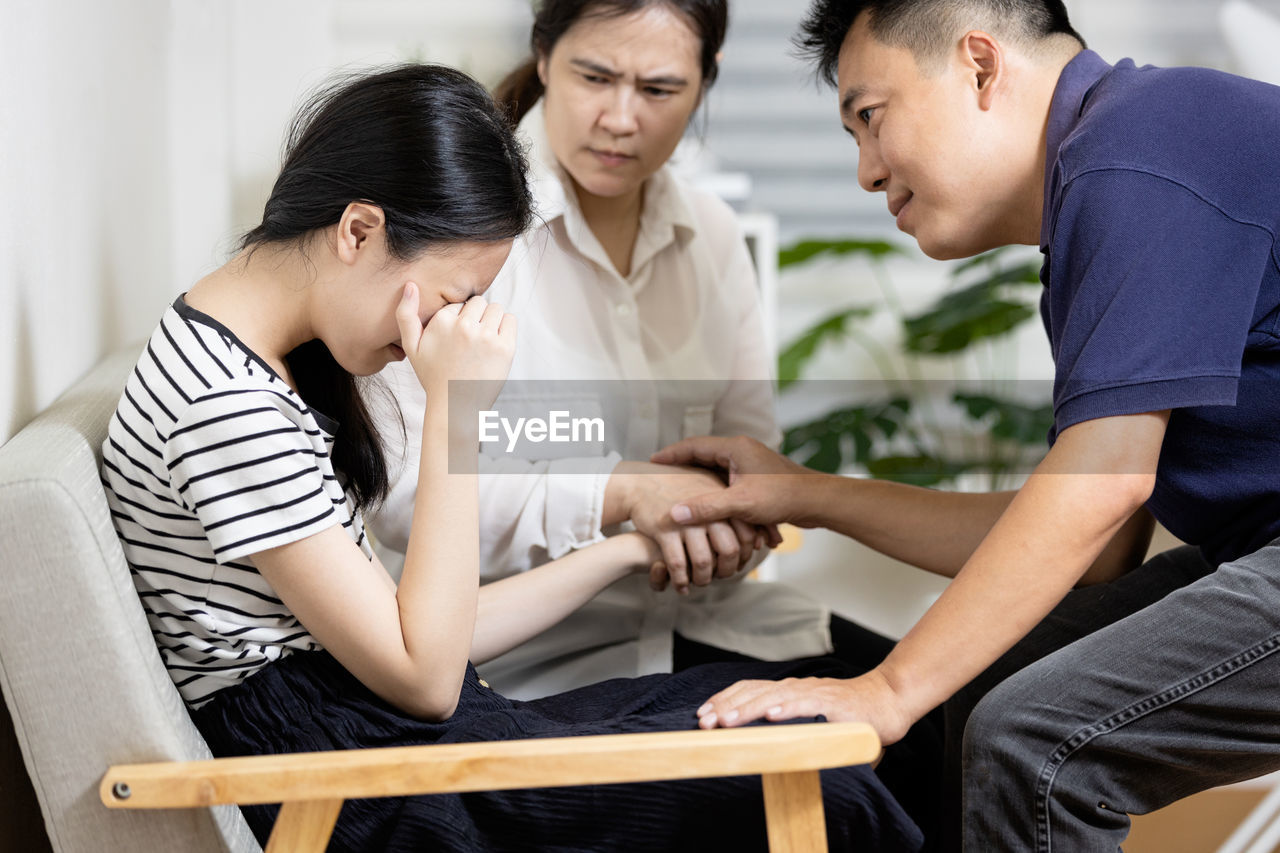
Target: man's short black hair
x,y
925,27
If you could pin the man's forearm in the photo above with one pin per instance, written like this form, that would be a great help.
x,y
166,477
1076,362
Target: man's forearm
x,y
932,530
939,531
1051,534
1081,495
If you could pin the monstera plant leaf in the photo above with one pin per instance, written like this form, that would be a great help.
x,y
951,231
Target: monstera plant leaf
x,y
958,320
885,438
865,428
974,312
797,354
805,249
1009,420
919,470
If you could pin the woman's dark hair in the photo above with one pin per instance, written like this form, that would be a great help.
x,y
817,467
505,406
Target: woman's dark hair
x,y
520,90
925,27
428,146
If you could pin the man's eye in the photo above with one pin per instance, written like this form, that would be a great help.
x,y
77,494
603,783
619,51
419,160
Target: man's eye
x,y
864,116
658,92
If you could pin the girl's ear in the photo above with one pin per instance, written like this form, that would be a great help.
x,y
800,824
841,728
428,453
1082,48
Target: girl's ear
x,y
362,225
541,68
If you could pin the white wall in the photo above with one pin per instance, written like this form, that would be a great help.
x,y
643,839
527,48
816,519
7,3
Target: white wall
x,y
240,69
84,224
139,137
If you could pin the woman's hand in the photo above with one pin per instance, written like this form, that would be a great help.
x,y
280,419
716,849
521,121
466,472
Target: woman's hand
x,y
690,553
472,342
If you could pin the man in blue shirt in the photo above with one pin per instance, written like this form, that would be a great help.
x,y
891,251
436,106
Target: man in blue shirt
x,y
1081,685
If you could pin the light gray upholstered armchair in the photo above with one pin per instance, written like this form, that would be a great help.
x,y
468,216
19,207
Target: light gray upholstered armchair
x,y
118,766
81,676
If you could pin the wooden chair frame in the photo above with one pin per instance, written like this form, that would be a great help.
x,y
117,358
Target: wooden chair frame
x,y
313,786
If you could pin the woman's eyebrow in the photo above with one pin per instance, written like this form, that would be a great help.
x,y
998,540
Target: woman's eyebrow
x,y
594,67
664,80
605,71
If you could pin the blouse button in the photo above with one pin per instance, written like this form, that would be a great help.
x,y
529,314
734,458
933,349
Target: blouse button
x,y
624,310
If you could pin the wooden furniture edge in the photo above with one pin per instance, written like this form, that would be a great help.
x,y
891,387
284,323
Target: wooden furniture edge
x,y
493,765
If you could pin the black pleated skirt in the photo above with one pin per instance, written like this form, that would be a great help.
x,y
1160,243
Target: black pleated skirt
x,y
307,702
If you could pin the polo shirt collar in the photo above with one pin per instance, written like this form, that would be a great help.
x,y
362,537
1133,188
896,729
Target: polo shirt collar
x,y
666,216
1079,76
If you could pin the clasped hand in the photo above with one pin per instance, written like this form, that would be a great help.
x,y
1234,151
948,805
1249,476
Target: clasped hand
x,y
764,487
763,490
691,554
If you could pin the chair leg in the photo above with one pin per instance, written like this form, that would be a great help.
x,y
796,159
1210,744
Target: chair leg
x,y
304,827
793,810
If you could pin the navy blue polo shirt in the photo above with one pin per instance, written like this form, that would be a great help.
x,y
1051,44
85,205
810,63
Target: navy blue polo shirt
x,y
1162,282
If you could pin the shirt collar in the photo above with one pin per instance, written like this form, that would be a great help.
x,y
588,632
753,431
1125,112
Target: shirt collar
x,y
1078,78
667,213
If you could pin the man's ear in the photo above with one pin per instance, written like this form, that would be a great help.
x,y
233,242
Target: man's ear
x,y
983,59
541,68
360,222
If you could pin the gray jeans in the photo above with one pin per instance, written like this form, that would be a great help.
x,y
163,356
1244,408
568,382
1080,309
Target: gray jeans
x,y
1128,696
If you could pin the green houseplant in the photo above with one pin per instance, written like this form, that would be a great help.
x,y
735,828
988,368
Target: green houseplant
x,y
909,430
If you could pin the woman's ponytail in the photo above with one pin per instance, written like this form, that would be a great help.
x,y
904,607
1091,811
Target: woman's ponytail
x,y
519,91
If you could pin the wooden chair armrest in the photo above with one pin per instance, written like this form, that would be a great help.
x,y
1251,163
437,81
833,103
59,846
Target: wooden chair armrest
x,y
489,766
312,786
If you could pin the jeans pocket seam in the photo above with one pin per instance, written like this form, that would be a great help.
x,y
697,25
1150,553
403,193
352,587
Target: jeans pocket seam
x,y
1133,712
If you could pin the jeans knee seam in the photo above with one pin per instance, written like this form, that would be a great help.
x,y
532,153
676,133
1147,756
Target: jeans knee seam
x,y
1079,739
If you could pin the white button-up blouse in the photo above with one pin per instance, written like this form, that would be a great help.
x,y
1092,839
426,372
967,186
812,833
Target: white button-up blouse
x,y
684,332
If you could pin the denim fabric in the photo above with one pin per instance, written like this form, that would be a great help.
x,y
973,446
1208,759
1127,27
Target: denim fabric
x,y
1129,696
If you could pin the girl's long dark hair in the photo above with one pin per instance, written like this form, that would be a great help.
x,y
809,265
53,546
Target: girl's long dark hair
x,y
428,146
520,90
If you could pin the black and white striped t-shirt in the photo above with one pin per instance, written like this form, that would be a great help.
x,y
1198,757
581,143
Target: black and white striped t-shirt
x,y
210,458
